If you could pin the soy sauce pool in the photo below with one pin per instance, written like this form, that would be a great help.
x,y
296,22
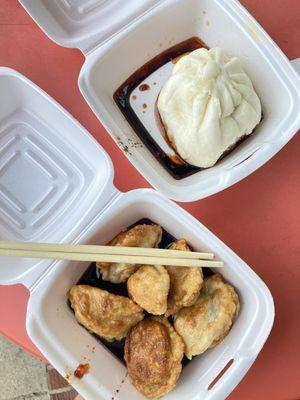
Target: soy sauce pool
x,y
92,277
122,99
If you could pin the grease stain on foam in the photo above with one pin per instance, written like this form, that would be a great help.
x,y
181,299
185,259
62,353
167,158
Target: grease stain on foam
x,y
123,146
68,375
144,87
254,32
128,144
117,391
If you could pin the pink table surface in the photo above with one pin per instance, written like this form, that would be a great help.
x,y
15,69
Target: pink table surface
x,y
258,217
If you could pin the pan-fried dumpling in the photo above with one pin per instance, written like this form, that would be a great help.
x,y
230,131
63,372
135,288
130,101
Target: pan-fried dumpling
x,y
185,282
149,287
147,236
105,314
208,321
207,105
153,354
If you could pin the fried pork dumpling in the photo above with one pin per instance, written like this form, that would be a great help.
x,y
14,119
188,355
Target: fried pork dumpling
x,y
149,287
147,236
185,283
105,314
208,321
153,354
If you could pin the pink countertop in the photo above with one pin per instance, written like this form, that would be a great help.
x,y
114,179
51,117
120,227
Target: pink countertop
x,y
258,217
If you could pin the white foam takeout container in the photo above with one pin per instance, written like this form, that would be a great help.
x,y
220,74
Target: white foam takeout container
x,y
56,185
117,37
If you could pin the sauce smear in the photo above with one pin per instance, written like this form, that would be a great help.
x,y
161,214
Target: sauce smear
x,y
178,170
144,87
81,370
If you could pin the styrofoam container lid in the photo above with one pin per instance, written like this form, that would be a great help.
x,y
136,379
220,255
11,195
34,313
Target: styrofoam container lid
x,y
54,177
84,24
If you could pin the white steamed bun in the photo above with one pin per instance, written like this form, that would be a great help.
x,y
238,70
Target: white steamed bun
x,y
207,105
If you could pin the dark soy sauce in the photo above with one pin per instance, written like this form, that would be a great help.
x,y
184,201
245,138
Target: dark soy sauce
x,y
122,98
92,277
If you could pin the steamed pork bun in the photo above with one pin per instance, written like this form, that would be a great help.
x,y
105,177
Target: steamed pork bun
x,y
207,105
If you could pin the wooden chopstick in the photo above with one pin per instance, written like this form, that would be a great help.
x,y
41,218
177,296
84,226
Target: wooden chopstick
x,y
83,253
110,258
95,249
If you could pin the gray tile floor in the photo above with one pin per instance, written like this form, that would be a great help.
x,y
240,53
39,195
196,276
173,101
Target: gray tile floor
x,y
24,377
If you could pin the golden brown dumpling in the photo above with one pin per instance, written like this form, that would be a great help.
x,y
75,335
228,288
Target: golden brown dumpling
x,y
147,236
149,287
208,321
105,314
185,282
153,354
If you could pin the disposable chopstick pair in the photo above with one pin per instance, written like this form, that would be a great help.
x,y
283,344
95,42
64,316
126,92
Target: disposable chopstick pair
x,y
110,254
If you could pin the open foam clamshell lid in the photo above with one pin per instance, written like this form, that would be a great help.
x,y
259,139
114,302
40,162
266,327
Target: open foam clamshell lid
x,y
84,24
54,177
